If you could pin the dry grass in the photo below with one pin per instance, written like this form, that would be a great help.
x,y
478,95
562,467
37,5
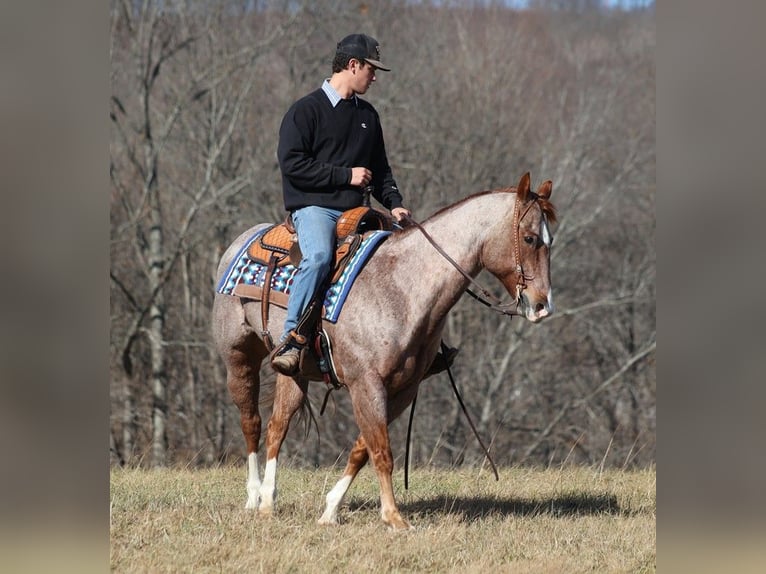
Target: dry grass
x,y
557,520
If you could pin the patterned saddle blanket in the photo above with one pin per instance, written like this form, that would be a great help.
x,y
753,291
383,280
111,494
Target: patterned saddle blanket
x,y
245,276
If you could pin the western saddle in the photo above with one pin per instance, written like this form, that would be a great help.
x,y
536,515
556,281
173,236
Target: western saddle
x,y
278,247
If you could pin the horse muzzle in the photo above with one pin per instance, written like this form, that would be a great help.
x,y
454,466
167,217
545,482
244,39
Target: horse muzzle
x,y
537,310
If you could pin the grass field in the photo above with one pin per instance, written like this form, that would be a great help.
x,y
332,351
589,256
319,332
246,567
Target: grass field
x,y
556,520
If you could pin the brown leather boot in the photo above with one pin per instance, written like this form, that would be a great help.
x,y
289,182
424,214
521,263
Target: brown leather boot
x,y
287,361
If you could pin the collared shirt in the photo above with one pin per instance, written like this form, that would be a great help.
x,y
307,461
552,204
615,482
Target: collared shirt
x,y
332,93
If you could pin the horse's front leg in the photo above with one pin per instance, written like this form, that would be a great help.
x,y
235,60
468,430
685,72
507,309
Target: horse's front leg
x,y
370,411
358,458
289,395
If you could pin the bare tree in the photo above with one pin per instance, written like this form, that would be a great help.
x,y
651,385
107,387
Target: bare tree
x,y
177,118
479,93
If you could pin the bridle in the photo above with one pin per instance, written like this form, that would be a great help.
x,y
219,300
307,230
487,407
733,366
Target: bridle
x,y
521,282
484,296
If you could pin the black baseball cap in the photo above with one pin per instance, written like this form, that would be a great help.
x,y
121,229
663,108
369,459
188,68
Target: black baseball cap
x,y
362,47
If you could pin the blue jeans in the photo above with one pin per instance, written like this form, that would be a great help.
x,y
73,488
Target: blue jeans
x,y
315,227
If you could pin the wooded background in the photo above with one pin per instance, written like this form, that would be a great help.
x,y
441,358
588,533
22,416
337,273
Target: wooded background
x,y
479,93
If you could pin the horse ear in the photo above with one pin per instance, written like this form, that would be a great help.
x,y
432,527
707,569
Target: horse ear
x,y
523,188
545,189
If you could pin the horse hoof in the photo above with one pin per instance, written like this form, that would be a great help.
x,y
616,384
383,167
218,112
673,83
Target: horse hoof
x,y
399,523
328,521
401,526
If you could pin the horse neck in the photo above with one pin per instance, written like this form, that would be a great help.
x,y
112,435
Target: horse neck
x,y
461,231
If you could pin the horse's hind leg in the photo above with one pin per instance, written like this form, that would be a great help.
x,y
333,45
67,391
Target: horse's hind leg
x,y
289,396
243,381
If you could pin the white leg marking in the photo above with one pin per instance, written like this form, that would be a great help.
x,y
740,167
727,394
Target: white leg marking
x,y
334,498
269,487
253,481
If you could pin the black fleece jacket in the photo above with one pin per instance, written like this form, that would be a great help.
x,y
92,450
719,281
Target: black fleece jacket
x,y
318,146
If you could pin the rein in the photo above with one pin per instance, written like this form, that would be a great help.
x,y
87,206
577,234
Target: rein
x,y
485,297
467,416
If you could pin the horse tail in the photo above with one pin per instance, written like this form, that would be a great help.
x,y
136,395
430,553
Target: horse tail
x,y
307,418
305,413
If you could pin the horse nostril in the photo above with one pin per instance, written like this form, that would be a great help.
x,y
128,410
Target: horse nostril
x,y
539,307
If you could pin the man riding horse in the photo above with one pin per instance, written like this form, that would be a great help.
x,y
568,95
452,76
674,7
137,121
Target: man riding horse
x,y
330,148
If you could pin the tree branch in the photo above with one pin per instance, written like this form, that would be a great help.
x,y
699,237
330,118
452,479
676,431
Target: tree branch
x,y
573,403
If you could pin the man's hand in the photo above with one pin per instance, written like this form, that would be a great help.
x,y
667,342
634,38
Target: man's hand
x,y
360,176
400,212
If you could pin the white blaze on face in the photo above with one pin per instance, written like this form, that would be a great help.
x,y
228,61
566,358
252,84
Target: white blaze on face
x,y
547,241
546,233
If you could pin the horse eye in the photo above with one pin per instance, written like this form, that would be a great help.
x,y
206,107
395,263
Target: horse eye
x,y
528,239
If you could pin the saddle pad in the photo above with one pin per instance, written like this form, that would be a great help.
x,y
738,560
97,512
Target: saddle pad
x,y
243,270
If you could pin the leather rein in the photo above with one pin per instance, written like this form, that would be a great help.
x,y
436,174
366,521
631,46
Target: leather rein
x,y
484,296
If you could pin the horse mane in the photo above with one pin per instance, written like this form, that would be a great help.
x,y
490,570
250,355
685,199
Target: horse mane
x,y
548,209
459,202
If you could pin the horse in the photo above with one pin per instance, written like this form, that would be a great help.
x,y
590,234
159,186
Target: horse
x,y
390,328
